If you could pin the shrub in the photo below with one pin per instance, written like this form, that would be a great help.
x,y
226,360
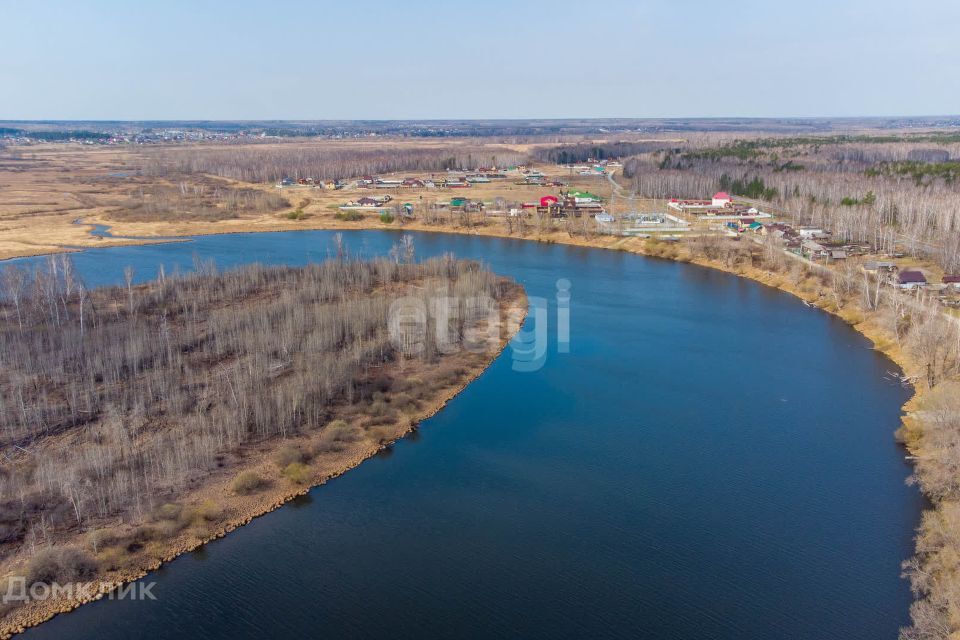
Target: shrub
x,y
349,216
296,214
209,511
380,435
297,472
248,482
404,401
386,217
61,564
170,528
168,511
112,559
102,538
329,447
340,431
289,454
139,537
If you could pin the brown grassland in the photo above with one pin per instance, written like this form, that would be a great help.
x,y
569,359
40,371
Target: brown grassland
x,y
36,216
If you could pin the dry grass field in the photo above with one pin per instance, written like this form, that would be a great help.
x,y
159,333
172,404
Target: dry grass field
x,y
45,189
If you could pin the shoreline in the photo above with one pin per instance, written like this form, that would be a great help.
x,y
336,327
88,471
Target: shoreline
x,y
274,497
630,244
637,246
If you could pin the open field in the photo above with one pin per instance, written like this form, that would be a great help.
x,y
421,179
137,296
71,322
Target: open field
x,y
45,189
890,195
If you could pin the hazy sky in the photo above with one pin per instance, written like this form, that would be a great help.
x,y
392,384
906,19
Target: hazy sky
x,y
410,59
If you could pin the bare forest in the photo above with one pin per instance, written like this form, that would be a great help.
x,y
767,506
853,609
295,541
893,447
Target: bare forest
x,y
115,400
196,198
884,190
261,164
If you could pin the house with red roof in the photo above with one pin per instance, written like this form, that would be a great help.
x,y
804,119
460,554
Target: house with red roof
x,y
721,199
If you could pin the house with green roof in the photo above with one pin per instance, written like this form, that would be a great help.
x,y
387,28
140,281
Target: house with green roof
x,y
583,197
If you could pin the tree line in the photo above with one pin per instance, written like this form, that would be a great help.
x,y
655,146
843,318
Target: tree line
x,y
865,192
255,163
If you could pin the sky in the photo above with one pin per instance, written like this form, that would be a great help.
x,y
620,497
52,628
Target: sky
x,y
418,59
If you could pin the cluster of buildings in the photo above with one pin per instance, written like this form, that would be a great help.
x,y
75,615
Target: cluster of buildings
x,y
457,181
593,167
311,182
567,204
816,244
812,243
911,279
720,207
535,178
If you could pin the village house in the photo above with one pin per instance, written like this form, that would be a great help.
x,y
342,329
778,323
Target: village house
x,y
813,233
838,254
367,201
879,265
464,204
456,183
721,199
911,279
532,180
583,197
813,249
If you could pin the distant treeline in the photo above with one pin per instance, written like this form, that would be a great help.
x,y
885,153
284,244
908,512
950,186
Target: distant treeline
x,y
268,164
919,171
54,136
575,153
746,149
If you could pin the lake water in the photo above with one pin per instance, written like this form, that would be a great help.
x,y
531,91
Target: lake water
x,y
712,459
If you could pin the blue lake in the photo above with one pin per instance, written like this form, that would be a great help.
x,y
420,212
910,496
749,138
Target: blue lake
x,y
712,459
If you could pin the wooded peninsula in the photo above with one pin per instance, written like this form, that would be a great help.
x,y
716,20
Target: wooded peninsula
x,y
148,418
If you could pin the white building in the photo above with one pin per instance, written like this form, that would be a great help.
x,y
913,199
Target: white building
x,y
721,199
